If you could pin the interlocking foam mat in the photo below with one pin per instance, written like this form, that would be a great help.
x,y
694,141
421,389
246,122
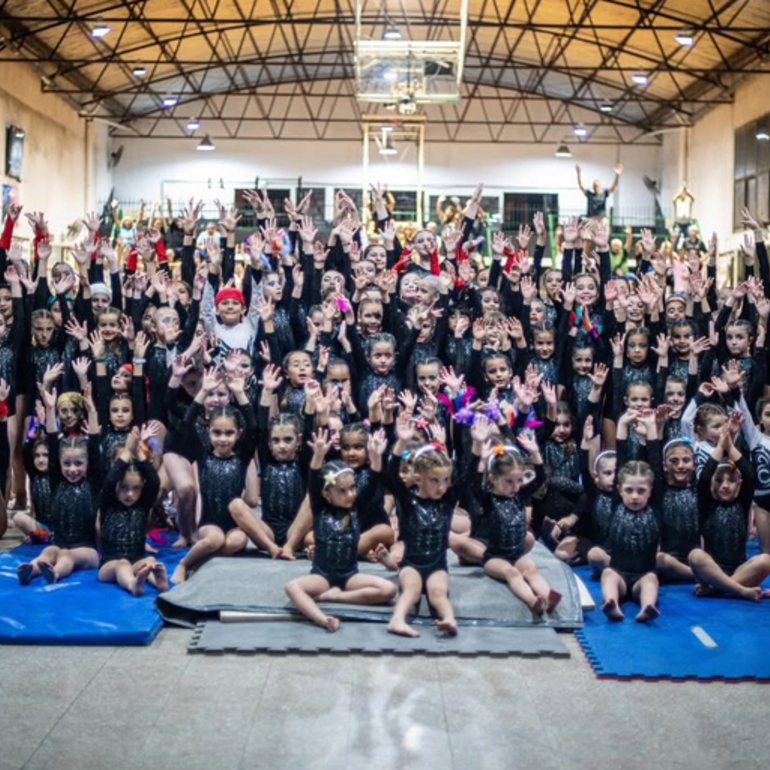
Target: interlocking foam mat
x,y
300,636
710,638
78,611
255,584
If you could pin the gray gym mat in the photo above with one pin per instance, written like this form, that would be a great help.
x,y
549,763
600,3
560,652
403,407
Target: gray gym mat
x,y
301,636
256,584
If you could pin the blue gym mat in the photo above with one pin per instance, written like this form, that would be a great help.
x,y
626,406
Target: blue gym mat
x,y
669,647
78,611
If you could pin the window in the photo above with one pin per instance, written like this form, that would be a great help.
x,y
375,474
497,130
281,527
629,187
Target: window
x,y
519,208
752,170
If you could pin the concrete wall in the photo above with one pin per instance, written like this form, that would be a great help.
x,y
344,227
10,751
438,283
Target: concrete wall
x,y
64,167
153,167
708,155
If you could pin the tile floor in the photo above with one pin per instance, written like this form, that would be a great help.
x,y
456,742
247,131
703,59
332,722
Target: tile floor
x,y
158,707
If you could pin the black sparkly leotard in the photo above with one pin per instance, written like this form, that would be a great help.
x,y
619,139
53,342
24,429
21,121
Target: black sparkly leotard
x,y
336,532
222,479
124,529
508,520
633,538
74,506
725,526
424,524
680,532
282,484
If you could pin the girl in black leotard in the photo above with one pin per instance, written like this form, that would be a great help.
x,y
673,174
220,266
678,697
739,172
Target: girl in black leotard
x,y
634,531
76,483
725,491
503,501
336,527
426,518
130,490
223,468
376,531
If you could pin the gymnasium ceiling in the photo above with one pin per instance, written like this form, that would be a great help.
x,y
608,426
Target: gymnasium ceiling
x,y
285,68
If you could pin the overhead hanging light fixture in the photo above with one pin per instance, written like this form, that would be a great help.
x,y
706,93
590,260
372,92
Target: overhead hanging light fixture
x,y
762,135
206,145
640,79
193,124
391,33
684,38
100,30
139,71
170,100
580,131
605,106
563,151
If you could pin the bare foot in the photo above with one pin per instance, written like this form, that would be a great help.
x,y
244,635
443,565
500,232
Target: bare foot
x,y
181,542
161,577
137,589
449,627
371,556
274,551
611,609
554,597
329,596
648,612
25,573
331,623
382,555
752,594
702,590
401,629
47,571
285,553
310,551
179,575
537,605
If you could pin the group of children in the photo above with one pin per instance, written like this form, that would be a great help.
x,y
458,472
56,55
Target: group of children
x,y
388,402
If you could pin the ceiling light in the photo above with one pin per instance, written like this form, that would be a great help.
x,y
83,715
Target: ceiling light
x,y
563,151
139,71
100,30
206,145
170,101
580,131
386,129
762,135
391,75
193,125
391,34
640,79
684,38
605,107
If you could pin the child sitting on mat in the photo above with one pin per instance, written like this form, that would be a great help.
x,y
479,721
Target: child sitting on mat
x,y
503,499
74,464
426,518
633,533
334,576
725,491
130,489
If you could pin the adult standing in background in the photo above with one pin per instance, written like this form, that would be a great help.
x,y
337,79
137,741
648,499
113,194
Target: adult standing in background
x,y
683,202
596,196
